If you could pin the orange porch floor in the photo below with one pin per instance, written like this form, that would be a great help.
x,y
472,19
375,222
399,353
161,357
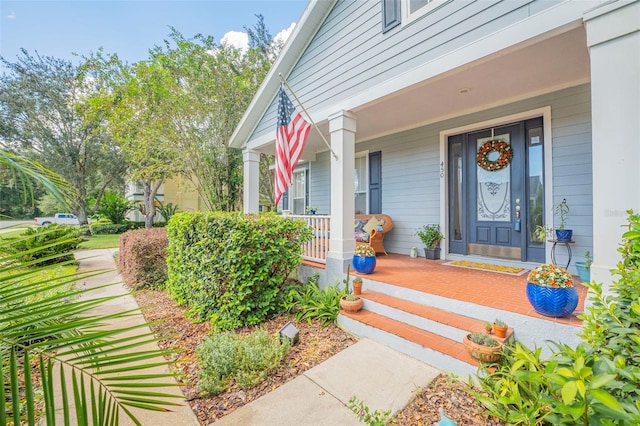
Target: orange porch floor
x,y
501,291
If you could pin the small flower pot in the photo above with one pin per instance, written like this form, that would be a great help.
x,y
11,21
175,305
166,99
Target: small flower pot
x,y
357,288
583,272
432,253
351,306
480,352
564,235
500,332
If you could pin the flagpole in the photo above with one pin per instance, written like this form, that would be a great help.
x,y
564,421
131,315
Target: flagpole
x,y
282,79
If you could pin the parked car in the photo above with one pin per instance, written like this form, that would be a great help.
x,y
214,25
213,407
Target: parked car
x,y
59,218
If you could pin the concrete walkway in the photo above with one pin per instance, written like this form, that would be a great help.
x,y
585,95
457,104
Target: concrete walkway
x,y
91,260
383,378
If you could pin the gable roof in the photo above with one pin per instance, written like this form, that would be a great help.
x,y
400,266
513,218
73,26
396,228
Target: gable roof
x,y
309,23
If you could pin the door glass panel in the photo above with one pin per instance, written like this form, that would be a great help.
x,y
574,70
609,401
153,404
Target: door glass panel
x,y
535,182
494,188
456,191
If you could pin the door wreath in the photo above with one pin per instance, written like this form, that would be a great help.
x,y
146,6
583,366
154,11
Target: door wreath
x,y
502,148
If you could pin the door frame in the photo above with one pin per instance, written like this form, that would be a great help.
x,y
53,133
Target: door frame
x,y
545,113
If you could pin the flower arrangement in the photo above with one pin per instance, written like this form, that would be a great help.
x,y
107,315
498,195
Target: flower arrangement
x,y
365,251
502,148
311,210
550,275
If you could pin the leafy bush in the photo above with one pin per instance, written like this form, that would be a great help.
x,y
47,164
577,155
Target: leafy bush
x,y
311,303
110,228
142,257
596,383
224,357
115,206
231,268
46,245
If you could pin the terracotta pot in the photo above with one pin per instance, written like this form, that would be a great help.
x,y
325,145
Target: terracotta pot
x,y
500,332
350,305
357,288
482,353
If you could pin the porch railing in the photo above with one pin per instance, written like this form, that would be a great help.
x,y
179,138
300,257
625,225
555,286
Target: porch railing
x,y
316,249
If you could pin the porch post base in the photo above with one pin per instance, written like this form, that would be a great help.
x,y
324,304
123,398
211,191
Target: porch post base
x,y
335,268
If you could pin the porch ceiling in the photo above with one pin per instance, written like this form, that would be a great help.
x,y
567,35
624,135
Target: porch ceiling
x,y
524,71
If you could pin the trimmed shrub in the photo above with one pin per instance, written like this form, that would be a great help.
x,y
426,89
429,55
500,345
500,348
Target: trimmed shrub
x,y
110,228
248,359
229,267
142,257
51,244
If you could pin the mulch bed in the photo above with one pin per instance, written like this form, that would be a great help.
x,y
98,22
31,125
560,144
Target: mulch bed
x,y
317,344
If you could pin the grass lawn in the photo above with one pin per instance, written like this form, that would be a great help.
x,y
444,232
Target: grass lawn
x,y
101,242
12,234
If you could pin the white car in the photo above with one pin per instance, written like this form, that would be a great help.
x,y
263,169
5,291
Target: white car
x,y
59,218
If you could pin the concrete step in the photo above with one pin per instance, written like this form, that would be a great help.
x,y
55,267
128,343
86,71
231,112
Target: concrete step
x,y
427,333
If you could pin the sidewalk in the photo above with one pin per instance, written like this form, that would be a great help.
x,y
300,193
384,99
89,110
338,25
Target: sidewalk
x,y
91,260
383,378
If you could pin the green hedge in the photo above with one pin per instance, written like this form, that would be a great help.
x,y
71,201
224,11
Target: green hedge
x,y
231,268
142,258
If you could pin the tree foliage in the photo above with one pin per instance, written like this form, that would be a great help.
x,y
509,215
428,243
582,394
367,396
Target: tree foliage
x,y
43,113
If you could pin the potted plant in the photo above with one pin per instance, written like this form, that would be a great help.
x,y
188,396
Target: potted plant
x,y
562,235
482,347
364,259
357,286
584,268
431,236
311,210
551,290
562,210
488,327
500,328
350,302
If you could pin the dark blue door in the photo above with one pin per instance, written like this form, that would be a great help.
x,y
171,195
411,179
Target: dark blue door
x,y
487,211
496,192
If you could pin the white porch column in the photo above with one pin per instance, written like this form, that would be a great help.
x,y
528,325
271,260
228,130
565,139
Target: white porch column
x,y
251,185
342,126
613,38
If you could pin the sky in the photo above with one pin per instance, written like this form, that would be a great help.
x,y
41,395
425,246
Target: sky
x,y
130,28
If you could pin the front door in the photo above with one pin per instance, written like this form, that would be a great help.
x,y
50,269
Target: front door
x,y
490,182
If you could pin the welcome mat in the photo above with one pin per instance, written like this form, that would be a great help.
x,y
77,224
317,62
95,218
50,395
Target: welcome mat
x,y
509,270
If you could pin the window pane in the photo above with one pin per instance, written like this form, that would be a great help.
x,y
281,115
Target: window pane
x,y
417,4
298,192
361,184
535,183
494,188
456,190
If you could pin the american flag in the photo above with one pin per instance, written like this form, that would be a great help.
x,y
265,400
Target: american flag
x,y
291,135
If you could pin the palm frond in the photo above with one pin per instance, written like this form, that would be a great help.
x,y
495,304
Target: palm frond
x,y
26,172
53,344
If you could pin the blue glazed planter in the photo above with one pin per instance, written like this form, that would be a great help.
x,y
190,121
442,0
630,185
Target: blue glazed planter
x,y
364,265
564,235
552,302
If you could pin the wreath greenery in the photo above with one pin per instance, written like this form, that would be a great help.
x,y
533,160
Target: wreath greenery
x,y
502,148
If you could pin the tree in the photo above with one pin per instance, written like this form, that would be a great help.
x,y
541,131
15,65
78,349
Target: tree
x,y
136,102
43,114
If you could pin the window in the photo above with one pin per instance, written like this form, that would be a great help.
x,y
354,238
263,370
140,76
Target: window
x,y
415,8
361,183
390,14
297,200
